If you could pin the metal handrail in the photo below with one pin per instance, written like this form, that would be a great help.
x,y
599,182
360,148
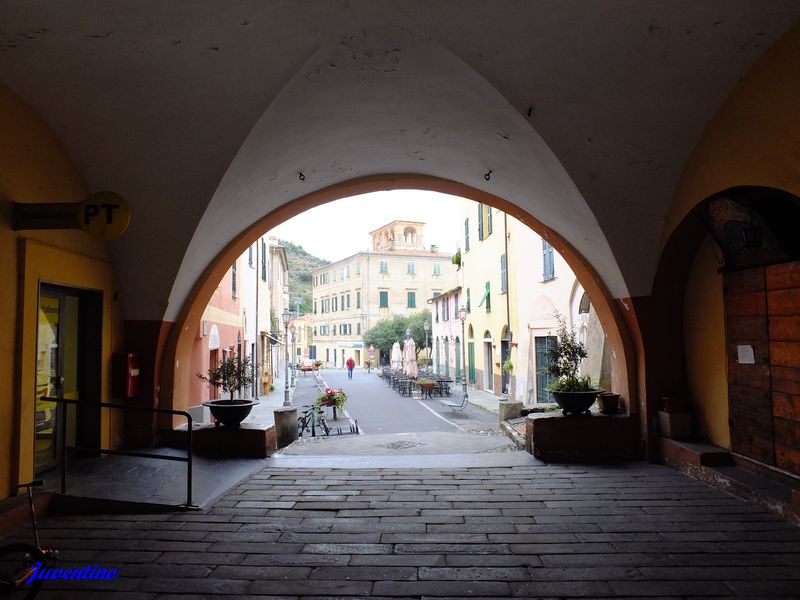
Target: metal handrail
x,y
164,411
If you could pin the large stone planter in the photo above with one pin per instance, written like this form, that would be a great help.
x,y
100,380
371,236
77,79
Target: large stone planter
x,y
230,413
575,403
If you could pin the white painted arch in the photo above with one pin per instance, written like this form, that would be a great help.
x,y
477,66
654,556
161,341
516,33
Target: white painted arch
x,y
413,107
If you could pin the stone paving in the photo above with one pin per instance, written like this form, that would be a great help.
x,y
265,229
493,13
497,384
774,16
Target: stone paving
x,y
533,531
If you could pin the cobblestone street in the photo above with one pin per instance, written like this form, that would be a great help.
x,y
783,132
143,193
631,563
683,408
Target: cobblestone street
x,y
527,531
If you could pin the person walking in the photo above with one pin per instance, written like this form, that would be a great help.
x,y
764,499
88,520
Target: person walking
x,y
350,364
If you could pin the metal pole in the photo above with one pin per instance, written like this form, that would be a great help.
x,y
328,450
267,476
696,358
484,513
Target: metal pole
x,y
286,401
294,357
189,465
463,361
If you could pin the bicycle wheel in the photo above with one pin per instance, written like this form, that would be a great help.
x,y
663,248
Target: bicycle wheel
x,y
17,565
324,423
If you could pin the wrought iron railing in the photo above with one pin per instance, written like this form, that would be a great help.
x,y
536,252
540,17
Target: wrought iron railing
x,y
62,425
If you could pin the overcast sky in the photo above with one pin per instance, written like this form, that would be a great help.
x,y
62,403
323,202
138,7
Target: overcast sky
x,y
340,229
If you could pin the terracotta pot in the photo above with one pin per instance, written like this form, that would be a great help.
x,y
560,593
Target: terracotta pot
x,y
608,402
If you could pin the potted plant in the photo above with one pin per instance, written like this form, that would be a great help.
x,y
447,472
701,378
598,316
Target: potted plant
x,y
332,397
572,392
232,374
508,366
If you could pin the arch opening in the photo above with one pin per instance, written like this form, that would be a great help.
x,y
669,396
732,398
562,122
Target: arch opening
x,y
175,382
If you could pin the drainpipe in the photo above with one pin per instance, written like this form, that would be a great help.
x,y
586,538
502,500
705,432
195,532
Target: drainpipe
x,y
257,382
508,302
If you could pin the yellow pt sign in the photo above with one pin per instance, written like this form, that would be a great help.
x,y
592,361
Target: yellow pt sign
x,y
104,215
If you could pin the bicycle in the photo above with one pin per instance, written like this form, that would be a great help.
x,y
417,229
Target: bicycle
x,y
311,419
20,561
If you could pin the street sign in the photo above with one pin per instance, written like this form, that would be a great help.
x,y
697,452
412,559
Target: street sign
x,y
104,215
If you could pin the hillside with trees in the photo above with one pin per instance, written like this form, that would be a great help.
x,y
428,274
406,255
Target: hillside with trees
x,y
301,263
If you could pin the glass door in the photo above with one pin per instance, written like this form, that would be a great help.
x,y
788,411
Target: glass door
x,y
56,372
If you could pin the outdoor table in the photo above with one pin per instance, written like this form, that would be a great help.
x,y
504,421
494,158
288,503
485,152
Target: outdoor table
x,y
426,387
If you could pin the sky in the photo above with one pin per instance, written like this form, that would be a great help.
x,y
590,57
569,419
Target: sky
x,y
340,229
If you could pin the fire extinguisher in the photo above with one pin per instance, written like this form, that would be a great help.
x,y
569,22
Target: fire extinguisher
x,y
132,375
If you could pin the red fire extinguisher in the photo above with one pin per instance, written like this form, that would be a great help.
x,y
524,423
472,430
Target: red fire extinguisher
x,y
132,375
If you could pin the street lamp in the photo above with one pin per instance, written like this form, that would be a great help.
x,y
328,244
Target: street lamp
x,y
462,314
426,326
286,318
294,354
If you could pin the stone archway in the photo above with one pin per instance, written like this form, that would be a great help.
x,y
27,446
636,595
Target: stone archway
x,y
175,375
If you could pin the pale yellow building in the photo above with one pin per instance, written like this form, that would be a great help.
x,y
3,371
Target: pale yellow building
x,y
396,277
302,337
512,314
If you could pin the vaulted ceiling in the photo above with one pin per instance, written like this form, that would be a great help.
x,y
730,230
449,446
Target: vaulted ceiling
x,y
202,113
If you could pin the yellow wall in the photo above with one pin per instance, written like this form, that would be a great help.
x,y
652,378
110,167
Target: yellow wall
x,y
35,168
754,139
704,330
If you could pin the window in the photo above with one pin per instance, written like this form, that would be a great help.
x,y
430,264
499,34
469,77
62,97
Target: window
x,y
315,331
503,274
484,221
466,235
333,275
263,260
383,299
436,294
436,307
250,255
345,273
233,280
548,269
335,303
469,304
410,268
358,299
384,267
358,268
487,298
437,269
412,300
315,307
348,300
341,302
358,329
585,305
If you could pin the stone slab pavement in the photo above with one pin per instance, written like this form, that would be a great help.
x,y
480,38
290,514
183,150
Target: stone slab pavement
x,y
530,530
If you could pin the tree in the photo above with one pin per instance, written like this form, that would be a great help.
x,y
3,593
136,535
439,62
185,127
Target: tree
x,y
415,323
387,332
232,374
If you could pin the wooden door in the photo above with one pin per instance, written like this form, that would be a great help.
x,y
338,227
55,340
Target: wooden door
x,y
762,312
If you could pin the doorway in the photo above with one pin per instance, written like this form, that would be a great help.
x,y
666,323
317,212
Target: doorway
x,y
68,366
505,355
488,370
